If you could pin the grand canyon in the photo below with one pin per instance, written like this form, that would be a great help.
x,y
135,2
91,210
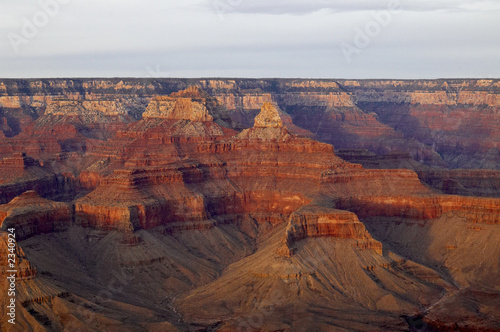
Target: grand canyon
x,y
251,204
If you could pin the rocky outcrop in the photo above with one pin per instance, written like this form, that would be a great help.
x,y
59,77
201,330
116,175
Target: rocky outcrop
x,y
160,170
266,170
472,209
473,98
245,101
85,108
317,221
18,161
4,127
107,217
463,113
10,101
271,116
23,267
21,173
191,104
272,124
395,180
31,215
179,108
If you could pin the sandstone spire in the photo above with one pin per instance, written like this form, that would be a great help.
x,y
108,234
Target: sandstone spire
x,y
271,116
273,124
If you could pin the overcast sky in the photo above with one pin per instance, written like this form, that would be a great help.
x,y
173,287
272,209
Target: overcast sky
x,y
250,38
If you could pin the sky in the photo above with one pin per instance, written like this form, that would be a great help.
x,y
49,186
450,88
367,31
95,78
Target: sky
x,y
250,38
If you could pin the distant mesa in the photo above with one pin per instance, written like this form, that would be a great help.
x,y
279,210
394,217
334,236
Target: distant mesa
x,y
186,113
191,104
313,221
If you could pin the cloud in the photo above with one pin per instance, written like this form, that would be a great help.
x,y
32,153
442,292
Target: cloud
x,y
302,7
257,38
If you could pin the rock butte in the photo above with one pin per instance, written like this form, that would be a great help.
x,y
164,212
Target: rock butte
x,y
208,211
31,214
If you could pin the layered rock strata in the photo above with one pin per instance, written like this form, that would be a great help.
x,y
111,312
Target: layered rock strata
x,y
176,196
21,173
379,115
472,209
317,221
208,176
29,214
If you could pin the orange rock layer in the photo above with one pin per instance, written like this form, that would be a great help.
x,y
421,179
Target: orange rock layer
x,y
23,267
178,164
31,214
317,221
473,209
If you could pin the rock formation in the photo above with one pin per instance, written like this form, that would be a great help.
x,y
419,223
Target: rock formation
x,y
31,215
271,117
208,216
317,221
379,115
474,210
191,104
177,109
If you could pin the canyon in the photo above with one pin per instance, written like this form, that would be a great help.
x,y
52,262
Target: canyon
x,y
251,204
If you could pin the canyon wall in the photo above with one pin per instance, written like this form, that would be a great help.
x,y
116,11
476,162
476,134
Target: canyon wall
x,y
178,164
452,123
472,209
131,183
